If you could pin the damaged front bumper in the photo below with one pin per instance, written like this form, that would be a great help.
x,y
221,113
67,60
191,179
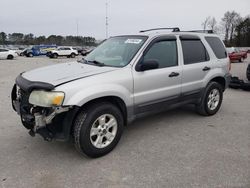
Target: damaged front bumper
x,y
49,122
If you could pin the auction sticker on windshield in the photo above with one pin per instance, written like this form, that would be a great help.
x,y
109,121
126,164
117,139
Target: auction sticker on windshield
x,y
133,41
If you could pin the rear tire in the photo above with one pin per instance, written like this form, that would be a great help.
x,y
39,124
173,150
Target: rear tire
x,y
241,59
98,129
10,57
55,55
211,100
30,55
248,72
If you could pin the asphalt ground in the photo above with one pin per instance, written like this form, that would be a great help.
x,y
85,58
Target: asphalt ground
x,y
176,148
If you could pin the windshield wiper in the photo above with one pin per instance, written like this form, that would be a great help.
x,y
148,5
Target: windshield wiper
x,y
94,62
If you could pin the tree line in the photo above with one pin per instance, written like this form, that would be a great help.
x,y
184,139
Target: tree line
x,y
30,39
236,29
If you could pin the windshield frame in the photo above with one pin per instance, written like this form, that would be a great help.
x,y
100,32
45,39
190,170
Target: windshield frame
x,y
143,37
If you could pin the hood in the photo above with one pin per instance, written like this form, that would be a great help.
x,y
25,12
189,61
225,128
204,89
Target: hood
x,y
65,72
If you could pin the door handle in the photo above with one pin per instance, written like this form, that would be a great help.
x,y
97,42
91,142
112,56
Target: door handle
x,y
173,74
206,68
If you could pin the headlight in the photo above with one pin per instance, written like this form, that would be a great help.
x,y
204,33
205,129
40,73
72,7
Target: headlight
x,y
46,98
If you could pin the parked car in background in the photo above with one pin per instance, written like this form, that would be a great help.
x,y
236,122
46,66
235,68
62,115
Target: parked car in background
x,y
38,50
7,54
18,50
236,55
24,52
78,49
86,51
63,51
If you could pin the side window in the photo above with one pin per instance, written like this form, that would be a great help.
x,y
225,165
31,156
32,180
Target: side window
x,y
194,51
164,52
66,48
217,47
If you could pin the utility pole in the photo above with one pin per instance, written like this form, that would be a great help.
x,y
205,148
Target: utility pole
x,y
77,34
107,24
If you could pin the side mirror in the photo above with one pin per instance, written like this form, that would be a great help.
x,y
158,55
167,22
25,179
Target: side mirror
x,y
147,65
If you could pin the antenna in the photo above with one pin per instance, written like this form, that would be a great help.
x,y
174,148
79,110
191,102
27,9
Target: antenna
x,y
107,24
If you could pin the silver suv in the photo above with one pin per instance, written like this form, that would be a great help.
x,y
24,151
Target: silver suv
x,y
124,78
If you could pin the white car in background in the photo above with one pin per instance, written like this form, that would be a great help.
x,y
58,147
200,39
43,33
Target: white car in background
x,y
7,54
63,51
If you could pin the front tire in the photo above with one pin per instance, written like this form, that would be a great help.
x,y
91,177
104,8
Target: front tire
x,y
98,129
211,100
10,57
73,55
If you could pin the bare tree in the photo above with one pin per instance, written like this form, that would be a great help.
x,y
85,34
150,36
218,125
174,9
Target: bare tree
x,y
205,23
236,21
229,21
212,23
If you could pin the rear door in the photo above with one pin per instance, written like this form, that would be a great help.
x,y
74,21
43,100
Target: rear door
x,y
3,53
154,89
67,51
196,66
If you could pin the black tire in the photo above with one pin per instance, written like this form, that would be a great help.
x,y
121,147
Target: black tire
x,y
30,55
246,86
203,108
241,59
248,72
235,82
55,55
84,122
10,57
73,55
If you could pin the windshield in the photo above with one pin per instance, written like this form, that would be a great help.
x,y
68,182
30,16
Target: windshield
x,y
116,51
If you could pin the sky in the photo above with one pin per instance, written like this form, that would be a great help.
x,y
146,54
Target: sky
x,y
60,17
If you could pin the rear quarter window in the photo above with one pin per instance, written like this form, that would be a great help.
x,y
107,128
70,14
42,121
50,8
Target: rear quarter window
x,y
217,47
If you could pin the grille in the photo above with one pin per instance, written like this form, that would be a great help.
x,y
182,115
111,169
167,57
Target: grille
x,y
26,117
24,102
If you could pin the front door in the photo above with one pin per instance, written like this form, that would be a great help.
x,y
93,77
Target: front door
x,y
154,88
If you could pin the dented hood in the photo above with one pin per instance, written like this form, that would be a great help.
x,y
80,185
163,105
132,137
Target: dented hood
x,y
65,72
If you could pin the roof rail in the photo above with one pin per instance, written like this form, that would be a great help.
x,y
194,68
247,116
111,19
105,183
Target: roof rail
x,y
174,29
200,31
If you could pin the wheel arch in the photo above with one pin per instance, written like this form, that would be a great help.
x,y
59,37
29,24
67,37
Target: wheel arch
x,y
221,80
115,100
